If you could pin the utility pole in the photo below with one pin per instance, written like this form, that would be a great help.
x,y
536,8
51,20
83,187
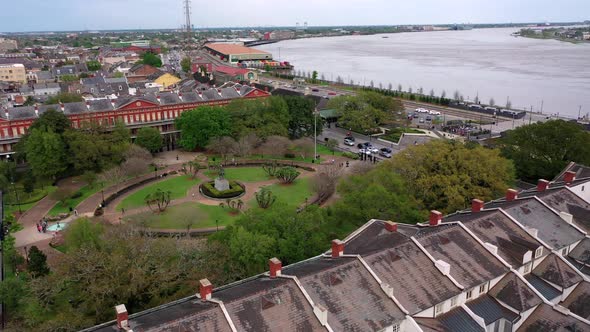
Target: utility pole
x,y
579,111
542,106
188,27
315,134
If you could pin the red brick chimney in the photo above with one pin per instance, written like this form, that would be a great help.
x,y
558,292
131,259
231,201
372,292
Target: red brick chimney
x,y
569,177
511,194
391,226
337,248
476,205
275,267
435,218
122,316
542,185
205,289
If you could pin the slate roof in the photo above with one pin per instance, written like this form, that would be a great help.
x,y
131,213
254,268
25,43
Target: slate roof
x,y
545,318
496,228
490,310
189,314
514,292
580,170
552,229
268,304
581,252
398,261
353,298
543,287
578,301
564,200
579,266
556,271
457,320
471,264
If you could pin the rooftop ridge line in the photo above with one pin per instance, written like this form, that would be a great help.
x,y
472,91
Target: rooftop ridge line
x,y
560,218
434,262
576,194
584,277
381,283
225,313
480,321
359,230
516,222
483,245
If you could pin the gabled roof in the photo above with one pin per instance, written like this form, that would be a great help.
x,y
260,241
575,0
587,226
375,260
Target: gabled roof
x,y
578,301
581,252
580,170
352,296
268,304
545,318
556,271
515,293
496,228
564,200
490,310
457,320
399,262
531,213
471,264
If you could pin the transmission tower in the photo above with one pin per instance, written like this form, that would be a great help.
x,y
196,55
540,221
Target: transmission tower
x,y
188,26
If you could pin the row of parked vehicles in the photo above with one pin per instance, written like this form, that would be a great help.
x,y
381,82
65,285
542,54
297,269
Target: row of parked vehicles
x,y
425,111
368,148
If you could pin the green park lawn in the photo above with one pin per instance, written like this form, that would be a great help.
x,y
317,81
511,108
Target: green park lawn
x,y
86,192
242,174
177,217
292,194
177,185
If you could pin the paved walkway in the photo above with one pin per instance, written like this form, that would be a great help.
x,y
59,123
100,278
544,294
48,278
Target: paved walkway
x,y
29,235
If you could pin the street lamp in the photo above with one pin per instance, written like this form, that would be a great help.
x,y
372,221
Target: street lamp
x,y
16,194
315,134
102,194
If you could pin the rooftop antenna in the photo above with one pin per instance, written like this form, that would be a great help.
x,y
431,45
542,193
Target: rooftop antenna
x,y
188,25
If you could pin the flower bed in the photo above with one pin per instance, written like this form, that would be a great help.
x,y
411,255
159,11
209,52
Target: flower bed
x,y
235,189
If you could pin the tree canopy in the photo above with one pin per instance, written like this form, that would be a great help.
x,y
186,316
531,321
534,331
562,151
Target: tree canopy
x,y
93,65
365,111
150,139
301,122
264,117
149,58
447,175
542,150
64,97
200,125
185,64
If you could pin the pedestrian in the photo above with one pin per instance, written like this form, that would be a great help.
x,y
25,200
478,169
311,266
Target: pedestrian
x,y
176,157
123,210
38,228
44,228
75,212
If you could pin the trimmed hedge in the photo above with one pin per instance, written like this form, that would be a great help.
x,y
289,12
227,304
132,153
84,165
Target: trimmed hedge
x,y
350,155
235,189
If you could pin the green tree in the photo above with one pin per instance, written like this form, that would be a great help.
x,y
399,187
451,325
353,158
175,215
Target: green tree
x,y
46,153
30,101
365,112
447,175
93,65
51,120
332,144
314,76
151,59
263,117
150,139
185,64
200,125
265,198
64,97
86,152
37,264
287,174
118,75
159,199
83,233
542,150
68,78
301,117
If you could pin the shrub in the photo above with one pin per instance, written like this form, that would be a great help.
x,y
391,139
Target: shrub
x,y
235,189
290,155
77,194
287,174
350,155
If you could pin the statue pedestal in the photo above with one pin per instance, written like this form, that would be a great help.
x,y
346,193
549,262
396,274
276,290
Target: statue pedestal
x,y
221,184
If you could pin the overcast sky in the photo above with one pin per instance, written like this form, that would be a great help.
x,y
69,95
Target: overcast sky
x,y
44,15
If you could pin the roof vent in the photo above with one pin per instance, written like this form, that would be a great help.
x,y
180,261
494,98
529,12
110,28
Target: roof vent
x,y
492,248
321,313
443,267
567,217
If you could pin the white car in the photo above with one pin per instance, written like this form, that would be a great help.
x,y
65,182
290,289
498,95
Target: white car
x,y
365,151
421,110
433,112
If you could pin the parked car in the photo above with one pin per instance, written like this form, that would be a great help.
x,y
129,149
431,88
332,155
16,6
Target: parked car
x,y
315,90
431,112
365,151
421,120
385,152
332,93
428,118
349,141
421,110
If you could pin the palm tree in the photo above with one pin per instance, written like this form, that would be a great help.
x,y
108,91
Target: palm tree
x,y
160,198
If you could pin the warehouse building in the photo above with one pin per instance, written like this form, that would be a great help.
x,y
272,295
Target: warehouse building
x,y
237,53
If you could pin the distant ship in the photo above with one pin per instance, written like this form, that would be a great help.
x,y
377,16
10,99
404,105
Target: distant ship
x,y
462,27
384,37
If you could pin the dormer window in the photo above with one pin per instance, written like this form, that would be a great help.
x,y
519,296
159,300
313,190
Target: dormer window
x,y
538,252
438,309
527,268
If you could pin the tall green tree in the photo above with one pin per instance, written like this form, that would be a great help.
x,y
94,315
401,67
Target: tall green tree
x,y
37,264
447,175
93,65
542,150
51,120
185,64
46,153
263,117
200,125
301,117
150,139
149,58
